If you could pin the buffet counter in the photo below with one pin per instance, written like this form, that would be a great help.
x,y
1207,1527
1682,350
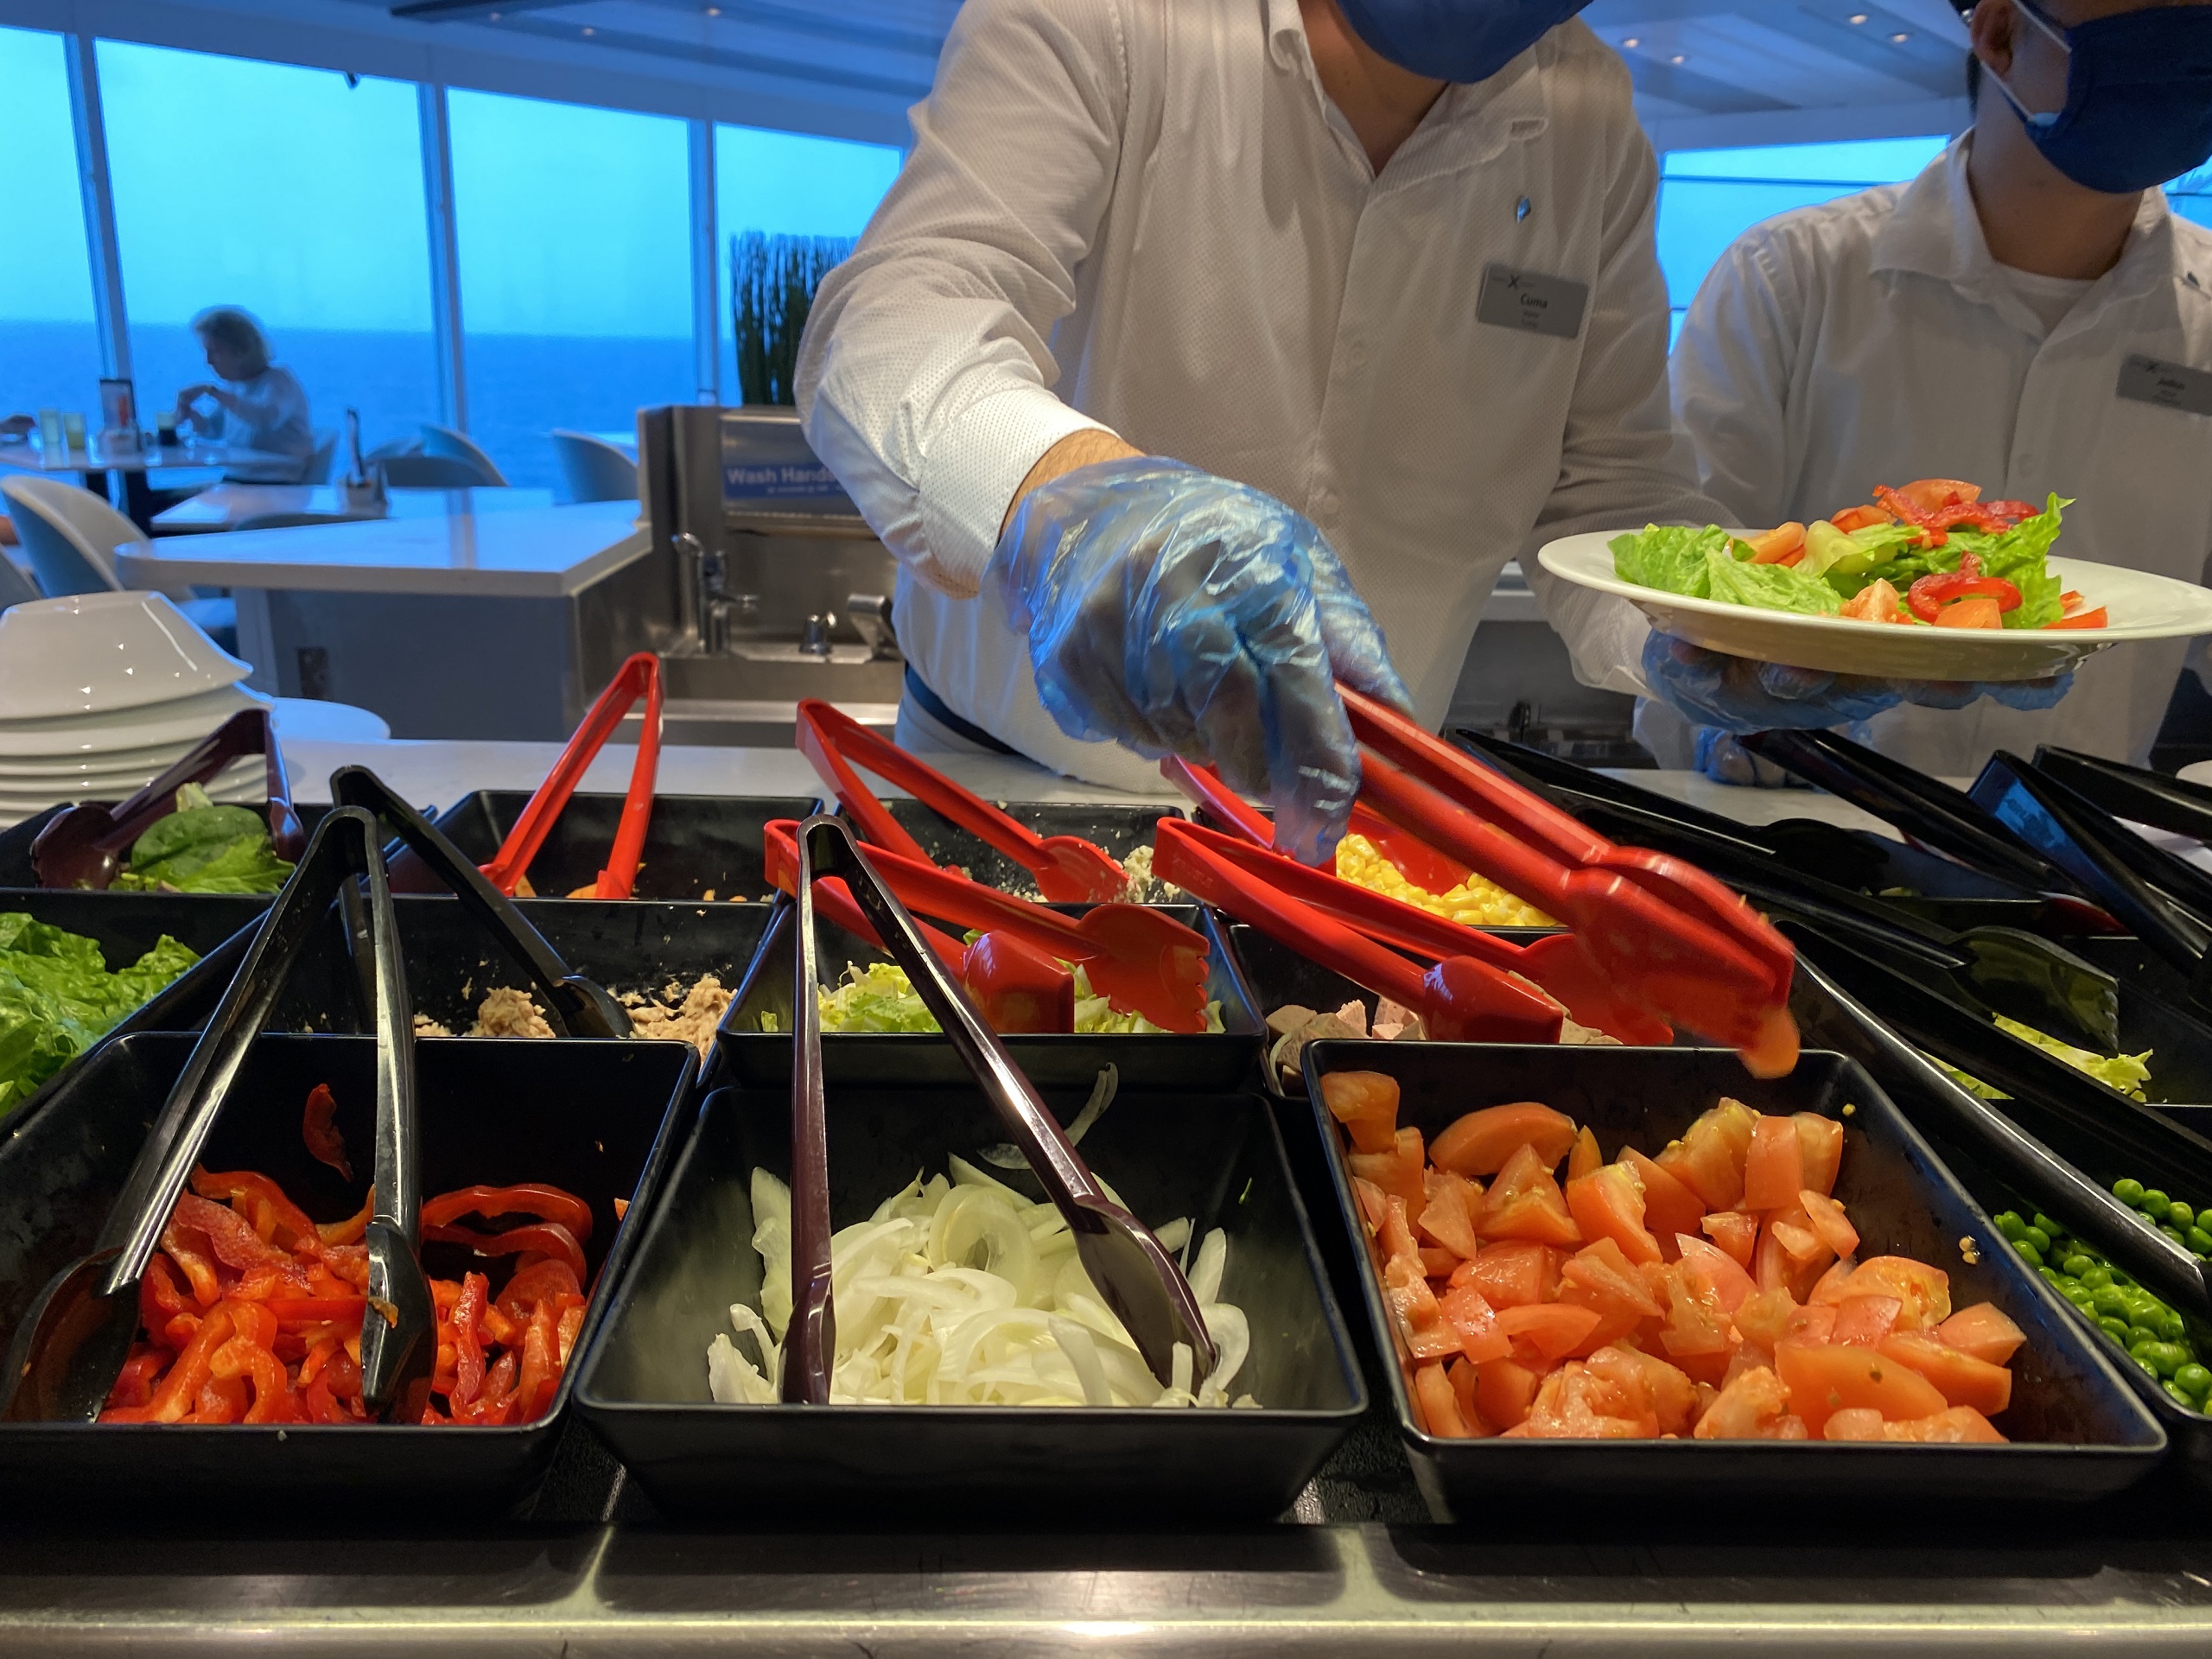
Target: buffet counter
x,y
1354,1566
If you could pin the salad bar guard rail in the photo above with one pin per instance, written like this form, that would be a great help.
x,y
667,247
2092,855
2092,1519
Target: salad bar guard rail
x,y
85,846
2078,1430
66,1349
1138,1280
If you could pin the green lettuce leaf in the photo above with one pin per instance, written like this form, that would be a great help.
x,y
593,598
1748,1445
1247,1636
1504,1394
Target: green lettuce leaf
x,y
2126,1072
879,997
2021,555
1671,557
203,847
57,997
1768,587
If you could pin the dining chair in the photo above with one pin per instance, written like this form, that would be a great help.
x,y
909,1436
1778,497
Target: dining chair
x,y
428,472
592,469
69,535
444,440
325,446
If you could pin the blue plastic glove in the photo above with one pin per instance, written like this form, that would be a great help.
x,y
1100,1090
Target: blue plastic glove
x,y
1739,694
1182,613
1725,761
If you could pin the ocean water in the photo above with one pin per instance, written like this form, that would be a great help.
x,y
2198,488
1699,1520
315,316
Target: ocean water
x,y
520,386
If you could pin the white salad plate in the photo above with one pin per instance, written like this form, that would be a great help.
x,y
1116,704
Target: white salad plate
x,y
2142,607
99,653
177,724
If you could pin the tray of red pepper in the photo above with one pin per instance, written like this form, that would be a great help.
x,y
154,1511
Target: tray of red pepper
x,y
252,1307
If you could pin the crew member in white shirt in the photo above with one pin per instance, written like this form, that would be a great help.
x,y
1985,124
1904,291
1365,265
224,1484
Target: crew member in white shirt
x,y
260,405
1203,345
2027,314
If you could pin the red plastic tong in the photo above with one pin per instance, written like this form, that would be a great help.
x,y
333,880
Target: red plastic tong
x,y
638,677
1068,869
1136,958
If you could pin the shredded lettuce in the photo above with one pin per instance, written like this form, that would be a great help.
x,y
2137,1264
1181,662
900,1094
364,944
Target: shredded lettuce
x,y
204,848
57,997
1672,557
879,997
2126,1072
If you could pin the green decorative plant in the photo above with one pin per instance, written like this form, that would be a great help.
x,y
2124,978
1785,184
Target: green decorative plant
x,y
772,281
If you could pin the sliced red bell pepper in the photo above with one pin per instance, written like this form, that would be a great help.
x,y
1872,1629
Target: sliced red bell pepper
x,y
1931,593
2096,619
538,1282
353,1229
548,1237
274,1217
529,1199
232,1239
134,1383
468,1339
319,1131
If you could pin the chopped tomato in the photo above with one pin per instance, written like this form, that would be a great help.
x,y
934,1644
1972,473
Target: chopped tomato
x,y
1929,493
1374,1202
1852,519
1664,1392
1583,1156
1512,1273
1830,1377
1763,1317
1709,1158
1480,1336
1419,1317
1551,1330
1876,603
1366,1103
1820,1147
1863,1321
1964,1379
1735,1232
1790,1254
1697,1323
1395,1234
1829,1220
1609,1204
1435,1404
1669,1207
1572,1404
1481,1142
1778,544
1774,1168
1462,1376
1525,1202
1505,1388
2096,619
1984,1331
1751,1408
1829,1291
1600,1278
1924,1290
1719,1271
1397,1171
1975,611
1960,1426
1436,1262
1448,1215
1813,1322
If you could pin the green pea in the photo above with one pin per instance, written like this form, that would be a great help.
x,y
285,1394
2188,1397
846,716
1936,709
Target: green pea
x,y
2033,1257
2180,1214
2168,1357
2179,1396
2079,1298
2172,1326
2116,1329
2153,1202
2194,1377
2041,1220
2140,1335
2037,1236
2075,1266
2067,1283
2012,1226
2128,1190
2149,1369
2174,1233
2111,1300
2199,1240
2098,1278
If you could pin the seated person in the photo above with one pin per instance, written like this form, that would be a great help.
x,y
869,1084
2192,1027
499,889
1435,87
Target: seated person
x,y
261,405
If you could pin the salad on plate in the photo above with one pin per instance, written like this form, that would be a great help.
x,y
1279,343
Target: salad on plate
x,y
1930,554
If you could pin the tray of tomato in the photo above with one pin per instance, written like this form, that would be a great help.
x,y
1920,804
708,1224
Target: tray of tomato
x,y
1643,1272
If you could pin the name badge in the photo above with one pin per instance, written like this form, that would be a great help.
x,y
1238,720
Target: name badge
x,y
1533,303
2169,385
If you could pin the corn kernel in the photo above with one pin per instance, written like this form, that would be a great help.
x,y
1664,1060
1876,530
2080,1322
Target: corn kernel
x,y
1474,902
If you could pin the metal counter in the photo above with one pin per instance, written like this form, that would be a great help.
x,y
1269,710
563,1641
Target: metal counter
x,y
2126,1577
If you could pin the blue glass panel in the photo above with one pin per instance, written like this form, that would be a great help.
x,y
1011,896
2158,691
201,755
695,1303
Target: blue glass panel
x,y
574,227
1861,161
284,190
49,348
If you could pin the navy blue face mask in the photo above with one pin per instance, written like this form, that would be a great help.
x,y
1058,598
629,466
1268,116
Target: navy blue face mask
x,y
2139,97
1455,40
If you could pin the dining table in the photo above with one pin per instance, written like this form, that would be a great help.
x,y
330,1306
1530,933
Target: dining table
x,y
228,506
100,458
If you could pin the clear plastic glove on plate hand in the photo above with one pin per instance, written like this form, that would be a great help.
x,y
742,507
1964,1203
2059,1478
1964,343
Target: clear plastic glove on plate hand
x,y
1182,613
1738,695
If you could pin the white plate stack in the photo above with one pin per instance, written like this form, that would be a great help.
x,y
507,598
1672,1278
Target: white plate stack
x,y
100,693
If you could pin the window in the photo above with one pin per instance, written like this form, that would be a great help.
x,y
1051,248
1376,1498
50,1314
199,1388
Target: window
x,y
1707,198
49,343
290,192
2191,195
790,184
574,228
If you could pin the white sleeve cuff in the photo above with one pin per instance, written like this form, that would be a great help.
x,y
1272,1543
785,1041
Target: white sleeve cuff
x,y
973,467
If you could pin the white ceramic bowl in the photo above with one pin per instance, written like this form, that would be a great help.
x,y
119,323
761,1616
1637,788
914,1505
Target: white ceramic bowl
x,y
181,722
2143,606
96,653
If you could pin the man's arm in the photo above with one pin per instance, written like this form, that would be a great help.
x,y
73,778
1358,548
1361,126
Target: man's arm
x,y
924,377
1730,377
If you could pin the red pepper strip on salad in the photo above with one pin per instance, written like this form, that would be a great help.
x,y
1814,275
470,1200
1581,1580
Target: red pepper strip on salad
x,y
527,1198
1931,593
324,1143
546,1237
2096,619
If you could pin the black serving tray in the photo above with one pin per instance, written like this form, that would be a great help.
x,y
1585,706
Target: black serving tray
x,y
1214,1157
16,871
747,1056
127,926
1119,830
2079,1430
693,845
592,1118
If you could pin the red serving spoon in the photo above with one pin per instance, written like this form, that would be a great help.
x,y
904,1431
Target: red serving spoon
x,y
1460,1000
1068,869
1016,987
1557,964
1136,958
638,677
1660,929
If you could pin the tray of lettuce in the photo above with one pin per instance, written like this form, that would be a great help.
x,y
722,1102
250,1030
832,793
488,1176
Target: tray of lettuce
x,y
204,848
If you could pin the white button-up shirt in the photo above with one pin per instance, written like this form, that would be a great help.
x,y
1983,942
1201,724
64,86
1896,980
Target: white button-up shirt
x,y
1148,215
1873,341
